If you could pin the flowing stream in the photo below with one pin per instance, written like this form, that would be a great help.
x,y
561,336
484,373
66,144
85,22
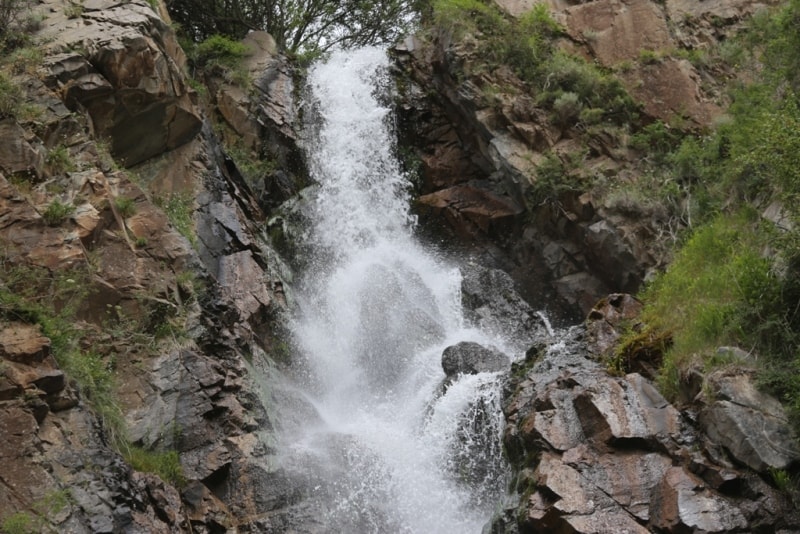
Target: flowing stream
x,y
390,449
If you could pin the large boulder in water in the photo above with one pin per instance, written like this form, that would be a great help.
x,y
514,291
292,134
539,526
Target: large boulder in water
x,y
472,358
491,303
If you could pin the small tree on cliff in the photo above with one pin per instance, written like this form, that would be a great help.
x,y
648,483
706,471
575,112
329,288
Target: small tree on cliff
x,y
14,20
298,26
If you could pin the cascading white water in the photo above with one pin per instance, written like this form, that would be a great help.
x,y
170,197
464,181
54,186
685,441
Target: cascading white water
x,y
390,452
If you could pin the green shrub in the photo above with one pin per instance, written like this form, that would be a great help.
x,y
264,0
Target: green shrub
x,y
20,523
56,212
554,177
26,59
657,141
60,160
125,206
12,17
567,108
219,50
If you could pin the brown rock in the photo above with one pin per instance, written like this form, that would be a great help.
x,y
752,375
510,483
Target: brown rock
x,y
8,389
23,343
134,92
616,30
682,504
243,279
50,380
468,207
669,89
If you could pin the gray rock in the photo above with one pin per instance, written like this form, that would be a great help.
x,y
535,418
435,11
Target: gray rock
x,y
491,302
472,358
752,426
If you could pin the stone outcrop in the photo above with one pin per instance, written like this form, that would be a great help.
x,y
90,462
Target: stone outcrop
x,y
129,80
601,453
478,162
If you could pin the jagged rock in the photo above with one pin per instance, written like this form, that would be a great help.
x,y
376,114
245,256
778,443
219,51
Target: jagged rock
x,y
752,426
23,343
467,207
132,88
573,505
612,455
205,508
681,503
605,320
472,358
17,156
491,302
243,280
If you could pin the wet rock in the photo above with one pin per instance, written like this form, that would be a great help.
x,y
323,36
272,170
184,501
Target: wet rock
x,y
472,358
491,302
469,208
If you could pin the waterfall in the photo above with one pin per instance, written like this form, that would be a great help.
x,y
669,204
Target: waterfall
x,y
391,449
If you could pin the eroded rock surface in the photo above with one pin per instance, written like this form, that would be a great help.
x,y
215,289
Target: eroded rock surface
x,y
601,453
161,276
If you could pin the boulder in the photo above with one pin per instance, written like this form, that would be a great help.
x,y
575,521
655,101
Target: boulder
x,y
472,358
491,302
750,425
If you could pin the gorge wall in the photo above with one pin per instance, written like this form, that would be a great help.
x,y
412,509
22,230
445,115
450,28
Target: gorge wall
x,y
142,296
136,300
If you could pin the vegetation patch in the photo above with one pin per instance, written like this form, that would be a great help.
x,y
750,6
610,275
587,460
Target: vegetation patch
x,y
179,210
57,212
165,464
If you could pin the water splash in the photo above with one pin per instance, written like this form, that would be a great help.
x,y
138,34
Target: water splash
x,y
393,450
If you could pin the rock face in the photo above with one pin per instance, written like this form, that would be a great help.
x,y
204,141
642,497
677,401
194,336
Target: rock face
x,y
748,424
160,277
598,453
481,136
129,81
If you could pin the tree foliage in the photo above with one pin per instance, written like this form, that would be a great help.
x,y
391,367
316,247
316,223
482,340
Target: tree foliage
x,y
298,26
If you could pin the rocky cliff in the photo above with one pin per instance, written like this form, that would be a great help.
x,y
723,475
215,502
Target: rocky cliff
x,y
560,188
139,294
